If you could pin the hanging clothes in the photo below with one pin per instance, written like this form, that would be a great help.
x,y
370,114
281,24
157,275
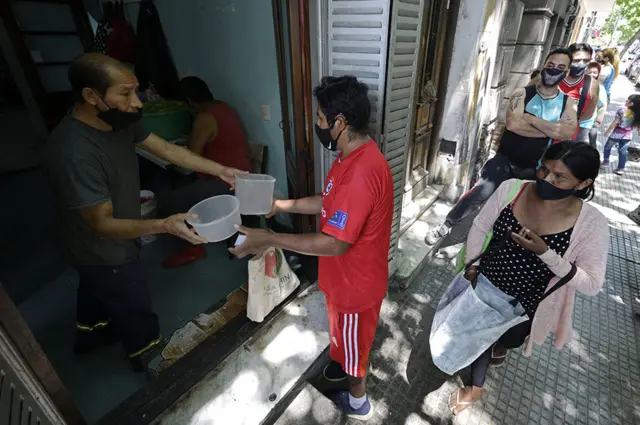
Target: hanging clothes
x,y
153,59
121,42
104,28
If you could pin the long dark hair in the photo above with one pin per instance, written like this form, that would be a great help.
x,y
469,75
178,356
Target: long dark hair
x,y
582,159
635,108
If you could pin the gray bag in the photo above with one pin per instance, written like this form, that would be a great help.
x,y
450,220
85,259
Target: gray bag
x,y
467,321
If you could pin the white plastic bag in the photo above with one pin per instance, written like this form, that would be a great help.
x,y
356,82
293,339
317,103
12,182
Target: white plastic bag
x,y
271,281
469,321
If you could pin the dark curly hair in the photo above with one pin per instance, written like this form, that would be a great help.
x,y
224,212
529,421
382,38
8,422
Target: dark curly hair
x,y
635,108
582,159
345,96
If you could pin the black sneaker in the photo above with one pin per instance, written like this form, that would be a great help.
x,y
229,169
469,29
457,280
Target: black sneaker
x,y
333,372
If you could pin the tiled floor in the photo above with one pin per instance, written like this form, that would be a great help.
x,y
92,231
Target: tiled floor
x,y
102,380
594,380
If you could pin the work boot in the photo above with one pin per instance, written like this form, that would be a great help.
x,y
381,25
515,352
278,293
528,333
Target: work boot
x,y
437,234
88,342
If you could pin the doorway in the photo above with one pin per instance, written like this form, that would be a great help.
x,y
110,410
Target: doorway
x,y
252,84
429,81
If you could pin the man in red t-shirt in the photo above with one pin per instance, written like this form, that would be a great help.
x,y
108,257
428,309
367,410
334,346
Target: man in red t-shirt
x,y
356,210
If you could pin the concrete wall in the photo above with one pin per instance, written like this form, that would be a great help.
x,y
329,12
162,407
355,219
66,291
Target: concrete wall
x,y
497,45
469,103
231,45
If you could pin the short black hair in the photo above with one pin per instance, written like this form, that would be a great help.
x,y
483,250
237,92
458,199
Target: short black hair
x,y
582,159
195,89
90,70
581,47
345,96
560,51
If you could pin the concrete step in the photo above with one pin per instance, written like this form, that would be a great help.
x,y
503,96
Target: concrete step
x,y
413,252
310,407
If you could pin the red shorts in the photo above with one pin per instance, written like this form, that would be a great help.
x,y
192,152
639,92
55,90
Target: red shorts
x,y
351,337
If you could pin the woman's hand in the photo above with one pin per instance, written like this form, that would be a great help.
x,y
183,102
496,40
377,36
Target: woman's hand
x,y
471,275
530,241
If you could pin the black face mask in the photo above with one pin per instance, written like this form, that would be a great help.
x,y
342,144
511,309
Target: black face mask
x,y
117,119
552,76
578,69
549,192
324,135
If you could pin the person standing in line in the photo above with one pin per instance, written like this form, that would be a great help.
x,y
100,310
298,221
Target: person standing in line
x,y
92,164
579,85
610,62
597,119
551,229
620,132
356,211
537,114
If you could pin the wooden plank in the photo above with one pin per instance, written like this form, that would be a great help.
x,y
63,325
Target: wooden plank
x,y
20,334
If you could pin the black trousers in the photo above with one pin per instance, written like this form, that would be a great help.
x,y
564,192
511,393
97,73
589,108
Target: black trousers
x,y
117,297
511,339
494,172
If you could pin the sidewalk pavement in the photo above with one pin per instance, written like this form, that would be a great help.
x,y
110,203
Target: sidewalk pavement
x,y
594,380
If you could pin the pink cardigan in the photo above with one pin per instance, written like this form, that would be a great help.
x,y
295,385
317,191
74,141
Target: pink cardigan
x,y
587,250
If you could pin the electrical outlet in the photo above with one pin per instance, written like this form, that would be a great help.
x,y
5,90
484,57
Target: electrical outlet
x,y
266,112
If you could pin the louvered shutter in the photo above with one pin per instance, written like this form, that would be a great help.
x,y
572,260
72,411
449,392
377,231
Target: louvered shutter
x,y
404,40
357,45
22,400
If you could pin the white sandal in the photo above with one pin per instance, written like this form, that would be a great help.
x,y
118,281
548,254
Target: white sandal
x,y
458,402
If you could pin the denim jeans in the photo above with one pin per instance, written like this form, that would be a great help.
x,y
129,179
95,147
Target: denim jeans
x,y
623,147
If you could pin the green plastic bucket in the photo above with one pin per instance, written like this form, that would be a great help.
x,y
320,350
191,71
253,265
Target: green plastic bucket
x,y
168,119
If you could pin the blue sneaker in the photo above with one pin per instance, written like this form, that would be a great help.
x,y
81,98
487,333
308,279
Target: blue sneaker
x,y
364,413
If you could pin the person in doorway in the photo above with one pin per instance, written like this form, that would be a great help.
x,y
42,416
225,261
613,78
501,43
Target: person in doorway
x,y
216,134
536,115
620,132
92,163
596,120
582,88
356,210
610,62
552,228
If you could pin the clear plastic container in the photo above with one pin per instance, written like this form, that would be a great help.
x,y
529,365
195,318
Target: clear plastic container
x,y
217,217
255,193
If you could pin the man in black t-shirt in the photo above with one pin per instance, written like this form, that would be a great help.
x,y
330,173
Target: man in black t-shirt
x,y
93,166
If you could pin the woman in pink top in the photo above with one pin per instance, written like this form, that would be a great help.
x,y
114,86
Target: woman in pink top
x,y
572,232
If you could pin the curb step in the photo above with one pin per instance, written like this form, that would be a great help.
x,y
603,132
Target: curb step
x,y
310,407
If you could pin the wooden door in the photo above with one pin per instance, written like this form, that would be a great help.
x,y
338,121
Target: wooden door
x,y
46,35
291,24
432,46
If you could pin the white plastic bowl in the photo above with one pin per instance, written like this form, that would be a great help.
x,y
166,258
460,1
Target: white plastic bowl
x,y
217,217
255,193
